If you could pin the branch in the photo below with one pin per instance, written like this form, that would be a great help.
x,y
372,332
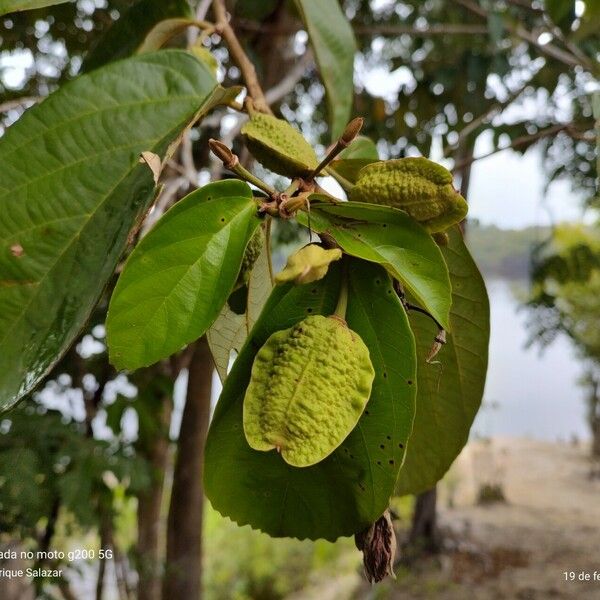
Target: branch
x,y
548,49
518,142
383,29
201,10
481,119
17,102
239,57
288,83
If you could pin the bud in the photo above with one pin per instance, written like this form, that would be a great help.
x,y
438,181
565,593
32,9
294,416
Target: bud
x,y
438,342
378,545
223,153
352,130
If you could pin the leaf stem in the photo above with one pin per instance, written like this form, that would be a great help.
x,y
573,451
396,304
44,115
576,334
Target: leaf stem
x,y
342,303
268,249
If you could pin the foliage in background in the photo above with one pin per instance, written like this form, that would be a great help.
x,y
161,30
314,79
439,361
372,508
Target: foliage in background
x,y
463,68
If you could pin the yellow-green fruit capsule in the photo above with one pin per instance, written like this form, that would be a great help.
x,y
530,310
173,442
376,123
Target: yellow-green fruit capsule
x,y
251,254
417,186
309,386
308,264
278,146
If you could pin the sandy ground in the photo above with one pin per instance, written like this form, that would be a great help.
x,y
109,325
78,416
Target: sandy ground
x,y
518,549
549,524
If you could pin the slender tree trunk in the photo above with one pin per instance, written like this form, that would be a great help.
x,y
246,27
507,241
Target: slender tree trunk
x,y
424,534
149,512
184,533
594,413
101,564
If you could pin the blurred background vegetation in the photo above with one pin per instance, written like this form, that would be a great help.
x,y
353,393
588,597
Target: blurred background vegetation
x,y
89,460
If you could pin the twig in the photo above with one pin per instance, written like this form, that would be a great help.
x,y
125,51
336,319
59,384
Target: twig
x,y
383,29
165,200
17,102
187,159
239,57
288,83
521,141
481,119
201,10
548,49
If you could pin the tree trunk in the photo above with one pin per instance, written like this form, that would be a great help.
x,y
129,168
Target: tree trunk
x,y
424,534
149,512
184,532
101,563
594,414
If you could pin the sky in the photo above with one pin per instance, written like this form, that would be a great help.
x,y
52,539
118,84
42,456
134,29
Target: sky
x,y
507,190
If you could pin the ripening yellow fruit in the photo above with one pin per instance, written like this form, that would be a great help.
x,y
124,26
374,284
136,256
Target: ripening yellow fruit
x,y
308,264
309,386
251,254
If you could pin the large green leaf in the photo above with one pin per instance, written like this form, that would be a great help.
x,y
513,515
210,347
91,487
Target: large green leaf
x,y
334,45
71,187
391,238
351,487
179,276
449,392
8,6
128,33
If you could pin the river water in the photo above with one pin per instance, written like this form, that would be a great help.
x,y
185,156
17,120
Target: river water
x,y
528,393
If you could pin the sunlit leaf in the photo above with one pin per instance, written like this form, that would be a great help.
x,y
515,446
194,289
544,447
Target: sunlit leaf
x,y
449,390
390,237
177,279
71,188
334,45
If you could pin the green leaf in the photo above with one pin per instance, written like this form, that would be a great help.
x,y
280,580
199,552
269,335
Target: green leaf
x,y
449,393
71,188
179,276
351,487
334,45
346,170
128,33
391,238
361,147
8,6
162,32
361,152
229,332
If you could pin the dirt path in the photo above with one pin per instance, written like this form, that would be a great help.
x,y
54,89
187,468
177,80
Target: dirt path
x,y
520,548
